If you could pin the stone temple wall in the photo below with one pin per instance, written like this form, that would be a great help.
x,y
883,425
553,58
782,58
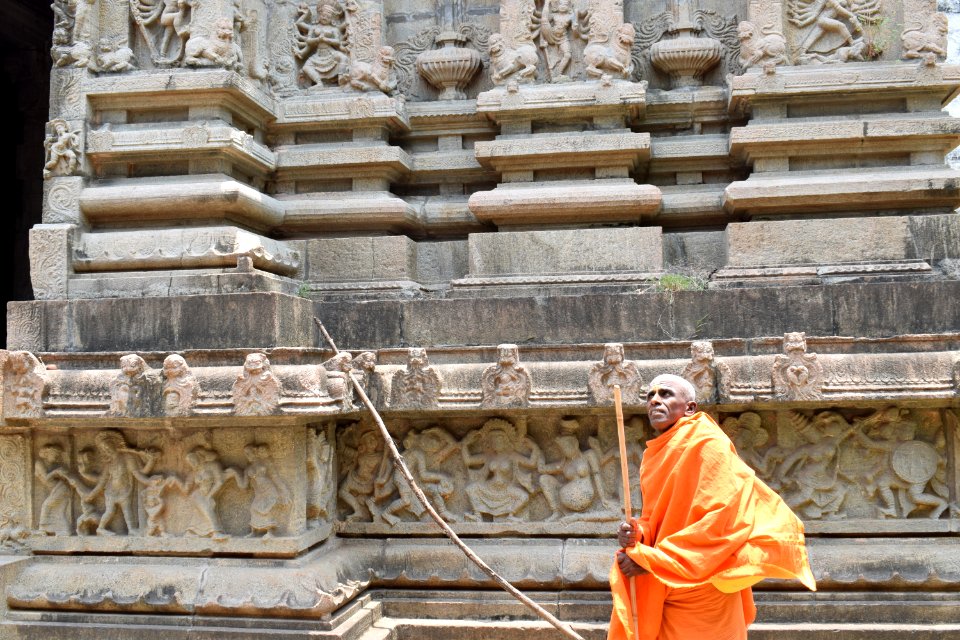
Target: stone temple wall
x,y
499,209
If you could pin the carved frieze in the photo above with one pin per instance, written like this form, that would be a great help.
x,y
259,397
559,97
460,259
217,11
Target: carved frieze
x,y
418,385
14,506
615,370
506,383
797,375
365,477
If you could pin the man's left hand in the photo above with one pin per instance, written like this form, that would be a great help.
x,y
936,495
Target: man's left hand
x,y
628,567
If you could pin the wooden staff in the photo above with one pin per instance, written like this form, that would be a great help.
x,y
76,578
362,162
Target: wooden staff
x,y
401,466
627,508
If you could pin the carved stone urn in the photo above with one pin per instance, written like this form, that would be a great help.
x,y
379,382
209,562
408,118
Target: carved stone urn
x,y
686,57
449,68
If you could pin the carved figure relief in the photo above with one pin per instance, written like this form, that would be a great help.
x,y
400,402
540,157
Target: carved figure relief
x,y
13,494
50,472
123,470
256,391
832,30
322,44
180,389
925,39
321,483
132,390
761,47
500,459
614,370
271,496
708,376
517,65
609,458
749,436
165,27
24,386
217,50
114,55
73,32
340,379
507,383
366,477
417,386
797,375
614,58
373,76
558,26
206,477
424,452
572,485
63,149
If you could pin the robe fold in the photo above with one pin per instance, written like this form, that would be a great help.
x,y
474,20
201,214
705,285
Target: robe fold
x,y
707,522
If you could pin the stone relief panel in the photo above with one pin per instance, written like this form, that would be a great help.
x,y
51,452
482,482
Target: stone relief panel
x,y
321,481
418,386
797,375
135,390
50,260
924,32
506,383
24,385
180,388
75,32
762,43
364,472
833,31
15,511
611,371
62,146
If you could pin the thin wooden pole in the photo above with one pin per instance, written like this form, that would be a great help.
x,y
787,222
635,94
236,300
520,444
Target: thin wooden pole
x,y
401,466
627,507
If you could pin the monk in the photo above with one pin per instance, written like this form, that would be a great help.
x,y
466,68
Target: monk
x,y
709,530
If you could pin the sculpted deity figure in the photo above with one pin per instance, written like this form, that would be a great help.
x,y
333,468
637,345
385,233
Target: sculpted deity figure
x,y
572,485
705,373
163,23
768,48
131,389
507,383
797,375
926,40
605,58
614,370
517,65
322,43
557,25
502,483
417,386
423,450
50,471
256,391
367,479
25,389
204,482
321,484
609,459
63,150
219,51
180,389
123,468
835,28
271,496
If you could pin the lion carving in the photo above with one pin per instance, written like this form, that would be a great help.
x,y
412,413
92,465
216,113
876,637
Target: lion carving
x,y
602,58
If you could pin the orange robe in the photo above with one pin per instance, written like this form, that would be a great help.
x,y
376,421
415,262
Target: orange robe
x,y
709,530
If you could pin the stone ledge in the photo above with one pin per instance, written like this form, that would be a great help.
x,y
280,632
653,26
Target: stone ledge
x,y
567,100
565,151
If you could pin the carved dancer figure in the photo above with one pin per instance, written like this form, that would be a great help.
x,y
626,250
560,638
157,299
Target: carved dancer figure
x,y
519,64
154,504
123,469
131,389
375,76
749,437
417,386
256,391
63,150
89,518
922,41
162,23
322,43
709,529
367,478
423,450
206,479
503,485
507,383
767,48
180,389
220,51
271,496
797,375
829,38
602,58
557,24
611,371
572,485
50,471
25,391
321,484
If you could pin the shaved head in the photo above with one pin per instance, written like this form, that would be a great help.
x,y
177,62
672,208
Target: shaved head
x,y
681,384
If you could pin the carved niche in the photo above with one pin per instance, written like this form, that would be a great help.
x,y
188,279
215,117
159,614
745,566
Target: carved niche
x,y
797,375
180,388
710,377
614,370
134,389
418,386
24,385
506,383
256,391
14,510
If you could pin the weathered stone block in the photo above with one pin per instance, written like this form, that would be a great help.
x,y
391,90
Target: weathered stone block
x,y
361,259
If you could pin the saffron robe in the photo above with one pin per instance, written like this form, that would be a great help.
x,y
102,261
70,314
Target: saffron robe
x,y
707,521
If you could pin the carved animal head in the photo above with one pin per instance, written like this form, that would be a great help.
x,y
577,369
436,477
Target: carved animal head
x,y
225,30
795,342
132,365
508,355
496,45
174,366
255,363
416,358
701,351
386,57
626,35
613,353
745,31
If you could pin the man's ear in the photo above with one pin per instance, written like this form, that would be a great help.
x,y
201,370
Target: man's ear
x,y
691,408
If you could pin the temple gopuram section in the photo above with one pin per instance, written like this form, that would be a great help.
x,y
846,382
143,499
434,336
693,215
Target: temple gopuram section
x,y
499,209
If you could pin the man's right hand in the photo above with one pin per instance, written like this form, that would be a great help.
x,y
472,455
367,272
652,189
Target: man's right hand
x,y
626,535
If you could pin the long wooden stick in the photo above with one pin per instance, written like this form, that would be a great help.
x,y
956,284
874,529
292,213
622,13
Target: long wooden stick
x,y
401,466
627,507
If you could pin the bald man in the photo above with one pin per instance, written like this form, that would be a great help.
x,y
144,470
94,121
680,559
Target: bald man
x,y
709,530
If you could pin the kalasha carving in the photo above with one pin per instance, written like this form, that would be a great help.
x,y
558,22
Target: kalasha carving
x,y
797,375
614,370
63,149
507,383
51,473
926,40
764,47
500,459
449,68
271,496
366,479
123,469
256,391
685,56
180,389
832,30
573,485
133,389
165,27
424,451
24,386
707,375
73,35
418,385
217,50
320,480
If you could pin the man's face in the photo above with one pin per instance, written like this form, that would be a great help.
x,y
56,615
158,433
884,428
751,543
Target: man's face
x,y
666,403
